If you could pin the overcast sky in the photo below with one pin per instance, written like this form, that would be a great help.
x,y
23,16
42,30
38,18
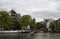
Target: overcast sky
x,y
38,9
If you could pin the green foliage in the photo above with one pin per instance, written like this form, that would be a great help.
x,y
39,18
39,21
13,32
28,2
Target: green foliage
x,y
52,26
17,25
32,23
25,20
40,25
5,19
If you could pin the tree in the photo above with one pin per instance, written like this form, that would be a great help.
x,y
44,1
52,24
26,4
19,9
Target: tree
x,y
25,20
17,25
5,19
52,26
33,23
40,25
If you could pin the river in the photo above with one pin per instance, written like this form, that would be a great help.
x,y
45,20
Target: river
x,y
30,36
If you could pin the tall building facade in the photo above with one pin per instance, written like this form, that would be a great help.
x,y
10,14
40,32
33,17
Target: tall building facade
x,y
57,27
47,23
14,15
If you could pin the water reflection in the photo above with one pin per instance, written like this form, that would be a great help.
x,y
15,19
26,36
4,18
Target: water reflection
x,y
17,36
47,36
30,36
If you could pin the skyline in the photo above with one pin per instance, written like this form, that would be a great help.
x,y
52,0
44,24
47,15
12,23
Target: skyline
x,y
38,9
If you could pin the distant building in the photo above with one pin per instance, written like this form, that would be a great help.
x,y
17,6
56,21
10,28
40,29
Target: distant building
x,y
14,15
57,27
18,16
47,23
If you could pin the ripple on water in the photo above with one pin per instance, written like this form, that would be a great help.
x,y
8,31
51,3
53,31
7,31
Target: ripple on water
x,y
30,36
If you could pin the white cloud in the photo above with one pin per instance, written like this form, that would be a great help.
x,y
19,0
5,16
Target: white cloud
x,y
30,6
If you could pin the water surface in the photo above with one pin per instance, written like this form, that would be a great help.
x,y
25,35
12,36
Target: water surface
x,y
30,36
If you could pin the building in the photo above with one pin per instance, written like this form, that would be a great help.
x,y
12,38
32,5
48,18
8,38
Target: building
x,y
14,15
47,23
18,16
57,27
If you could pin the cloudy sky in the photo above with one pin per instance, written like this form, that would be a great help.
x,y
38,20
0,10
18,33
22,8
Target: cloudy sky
x,y
38,9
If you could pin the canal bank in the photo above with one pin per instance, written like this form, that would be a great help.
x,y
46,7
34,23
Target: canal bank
x,y
20,31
